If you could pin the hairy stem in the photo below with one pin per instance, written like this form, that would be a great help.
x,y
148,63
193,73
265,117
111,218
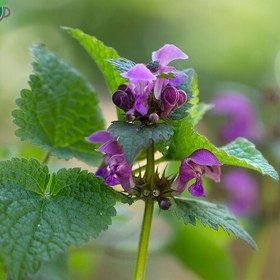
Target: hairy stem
x,y
140,266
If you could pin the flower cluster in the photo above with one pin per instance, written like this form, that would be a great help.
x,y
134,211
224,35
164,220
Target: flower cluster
x,y
151,95
152,89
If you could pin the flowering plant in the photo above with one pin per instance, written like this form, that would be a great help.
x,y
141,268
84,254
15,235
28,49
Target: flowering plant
x,y
158,108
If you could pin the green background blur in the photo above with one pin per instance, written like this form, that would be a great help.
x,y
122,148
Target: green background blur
x,y
232,42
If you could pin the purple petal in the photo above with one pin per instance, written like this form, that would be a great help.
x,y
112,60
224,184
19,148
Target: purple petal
x,y
102,172
139,72
159,84
197,189
110,147
125,177
179,77
186,173
213,172
141,105
115,160
203,157
111,180
167,54
100,136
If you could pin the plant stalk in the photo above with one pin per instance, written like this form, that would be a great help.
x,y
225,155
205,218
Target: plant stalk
x,y
140,266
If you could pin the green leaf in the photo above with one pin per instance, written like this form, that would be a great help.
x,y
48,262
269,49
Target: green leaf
x,y
242,152
133,138
60,110
122,64
100,54
190,86
41,214
202,250
212,215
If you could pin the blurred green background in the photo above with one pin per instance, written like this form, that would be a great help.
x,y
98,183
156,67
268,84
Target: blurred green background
x,y
228,42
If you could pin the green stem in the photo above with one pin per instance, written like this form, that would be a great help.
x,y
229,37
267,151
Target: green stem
x,y
150,167
140,266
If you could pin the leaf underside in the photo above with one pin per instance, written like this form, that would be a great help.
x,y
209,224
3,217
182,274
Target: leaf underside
x,y
212,215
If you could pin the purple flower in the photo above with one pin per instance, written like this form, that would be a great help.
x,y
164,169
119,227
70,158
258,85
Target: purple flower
x,y
123,98
115,169
164,56
194,166
242,120
171,99
243,191
141,84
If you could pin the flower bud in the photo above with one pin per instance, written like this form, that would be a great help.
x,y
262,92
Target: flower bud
x,y
182,98
153,66
124,97
153,118
130,117
156,193
169,98
164,204
122,100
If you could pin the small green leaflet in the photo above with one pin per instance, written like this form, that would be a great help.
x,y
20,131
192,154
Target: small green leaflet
x,y
212,215
133,138
41,214
100,54
59,111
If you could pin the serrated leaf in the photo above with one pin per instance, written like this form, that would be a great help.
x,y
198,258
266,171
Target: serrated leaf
x,y
212,215
122,64
241,152
60,110
41,214
133,138
100,54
